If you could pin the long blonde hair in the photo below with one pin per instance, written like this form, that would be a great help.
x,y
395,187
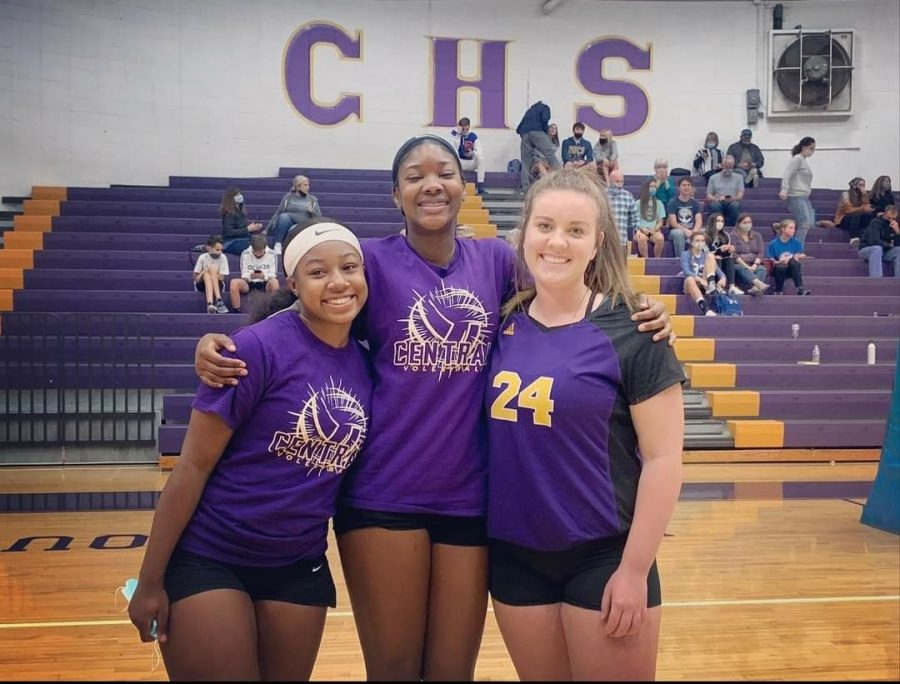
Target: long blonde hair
x,y
607,273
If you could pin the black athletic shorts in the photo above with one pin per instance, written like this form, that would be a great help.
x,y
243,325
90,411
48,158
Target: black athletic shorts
x,y
307,582
256,285
443,529
524,577
200,286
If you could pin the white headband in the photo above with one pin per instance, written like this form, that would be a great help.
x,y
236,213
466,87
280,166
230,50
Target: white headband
x,y
315,235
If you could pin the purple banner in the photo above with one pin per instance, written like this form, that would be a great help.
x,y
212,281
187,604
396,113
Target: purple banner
x,y
491,84
590,73
298,71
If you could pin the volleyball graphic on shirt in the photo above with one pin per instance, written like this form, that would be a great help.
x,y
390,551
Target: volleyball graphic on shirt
x,y
329,431
447,331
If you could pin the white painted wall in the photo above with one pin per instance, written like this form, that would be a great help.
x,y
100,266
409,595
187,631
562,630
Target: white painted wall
x,y
94,92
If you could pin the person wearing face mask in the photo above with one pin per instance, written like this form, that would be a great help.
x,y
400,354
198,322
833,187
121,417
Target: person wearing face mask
x,y
796,187
854,210
708,159
297,206
236,229
650,216
209,275
749,252
468,147
724,192
701,274
577,152
606,153
719,243
748,158
881,196
665,186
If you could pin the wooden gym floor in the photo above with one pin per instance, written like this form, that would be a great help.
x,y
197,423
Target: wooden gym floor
x,y
767,574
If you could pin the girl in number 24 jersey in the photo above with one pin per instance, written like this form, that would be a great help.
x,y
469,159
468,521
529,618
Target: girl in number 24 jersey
x,y
411,525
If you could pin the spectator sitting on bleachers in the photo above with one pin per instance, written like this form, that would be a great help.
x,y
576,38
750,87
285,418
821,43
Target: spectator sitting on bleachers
x,y
881,195
724,191
684,215
786,253
881,242
650,216
701,274
708,159
259,271
236,229
622,204
296,206
606,154
719,243
665,186
748,158
542,164
749,252
577,152
468,147
854,210
209,274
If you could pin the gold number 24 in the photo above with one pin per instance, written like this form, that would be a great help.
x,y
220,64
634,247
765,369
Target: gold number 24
x,y
535,397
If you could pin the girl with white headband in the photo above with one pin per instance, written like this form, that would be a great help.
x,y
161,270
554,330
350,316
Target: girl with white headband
x,y
235,574
411,518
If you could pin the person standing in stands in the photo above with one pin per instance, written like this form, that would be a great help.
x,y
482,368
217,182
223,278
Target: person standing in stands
x,y
411,522
650,215
259,271
708,159
209,274
787,253
701,273
666,188
748,158
854,210
796,187
585,430
236,229
622,204
606,154
749,251
724,192
533,131
577,152
881,243
469,150
297,206
684,215
235,572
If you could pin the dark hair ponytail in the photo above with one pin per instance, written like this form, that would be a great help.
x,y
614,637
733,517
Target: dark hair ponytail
x,y
804,142
283,297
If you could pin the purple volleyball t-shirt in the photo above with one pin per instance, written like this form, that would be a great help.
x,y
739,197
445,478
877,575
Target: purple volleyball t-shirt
x,y
300,418
563,453
430,331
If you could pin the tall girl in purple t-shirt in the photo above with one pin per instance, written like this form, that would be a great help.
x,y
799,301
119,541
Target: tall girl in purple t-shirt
x,y
235,575
411,520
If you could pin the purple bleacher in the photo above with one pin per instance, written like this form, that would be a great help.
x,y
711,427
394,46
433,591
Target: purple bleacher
x,y
792,304
842,350
148,324
163,375
852,265
834,434
91,349
771,329
825,376
813,404
820,285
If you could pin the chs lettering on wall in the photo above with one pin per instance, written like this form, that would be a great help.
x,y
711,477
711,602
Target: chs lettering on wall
x,y
447,83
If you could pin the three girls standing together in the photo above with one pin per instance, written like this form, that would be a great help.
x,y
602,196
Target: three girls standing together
x,y
520,436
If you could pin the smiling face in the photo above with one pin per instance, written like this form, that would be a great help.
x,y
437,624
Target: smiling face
x,y
330,283
561,239
429,188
